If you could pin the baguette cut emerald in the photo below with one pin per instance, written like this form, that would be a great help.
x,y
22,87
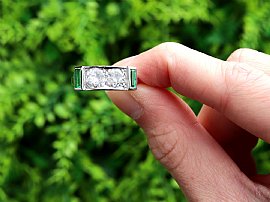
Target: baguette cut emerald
x,y
77,79
133,78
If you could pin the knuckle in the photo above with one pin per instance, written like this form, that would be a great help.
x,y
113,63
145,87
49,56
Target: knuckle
x,y
164,143
236,72
170,51
239,55
166,45
238,78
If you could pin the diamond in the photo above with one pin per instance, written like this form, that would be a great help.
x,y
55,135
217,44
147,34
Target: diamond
x,y
94,78
105,78
116,77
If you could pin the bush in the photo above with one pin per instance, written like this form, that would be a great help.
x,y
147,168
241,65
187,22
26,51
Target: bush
x,y
61,145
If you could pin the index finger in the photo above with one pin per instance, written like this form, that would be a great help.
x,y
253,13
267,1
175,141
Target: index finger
x,y
234,89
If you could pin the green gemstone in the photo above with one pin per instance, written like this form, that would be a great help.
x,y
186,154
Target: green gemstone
x,y
133,78
77,78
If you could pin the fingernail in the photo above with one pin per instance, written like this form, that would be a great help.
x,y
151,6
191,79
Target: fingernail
x,y
127,103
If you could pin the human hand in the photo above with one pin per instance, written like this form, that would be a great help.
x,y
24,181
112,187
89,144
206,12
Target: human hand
x,y
209,155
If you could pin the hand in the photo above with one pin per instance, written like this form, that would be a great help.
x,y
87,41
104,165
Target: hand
x,y
209,155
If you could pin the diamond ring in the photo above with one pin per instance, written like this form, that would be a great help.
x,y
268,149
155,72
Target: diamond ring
x,y
105,78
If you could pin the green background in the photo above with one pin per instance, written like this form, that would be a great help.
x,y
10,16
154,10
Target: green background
x,y
60,145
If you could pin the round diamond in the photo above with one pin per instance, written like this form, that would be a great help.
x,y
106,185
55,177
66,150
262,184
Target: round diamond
x,y
115,77
95,78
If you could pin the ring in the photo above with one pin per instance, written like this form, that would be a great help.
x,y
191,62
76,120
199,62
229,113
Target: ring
x,y
105,78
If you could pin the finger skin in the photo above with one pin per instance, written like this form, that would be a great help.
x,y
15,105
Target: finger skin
x,y
229,135
256,59
237,142
183,146
235,89
214,166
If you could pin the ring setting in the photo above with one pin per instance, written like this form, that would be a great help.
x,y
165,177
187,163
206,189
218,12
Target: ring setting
x,y
105,78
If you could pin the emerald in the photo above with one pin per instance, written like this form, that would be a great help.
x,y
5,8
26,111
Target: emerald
x,y
133,78
77,79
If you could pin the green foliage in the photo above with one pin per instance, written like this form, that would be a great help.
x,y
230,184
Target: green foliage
x,y
61,145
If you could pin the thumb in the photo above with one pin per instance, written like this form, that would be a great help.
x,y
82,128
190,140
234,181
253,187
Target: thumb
x,y
182,145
